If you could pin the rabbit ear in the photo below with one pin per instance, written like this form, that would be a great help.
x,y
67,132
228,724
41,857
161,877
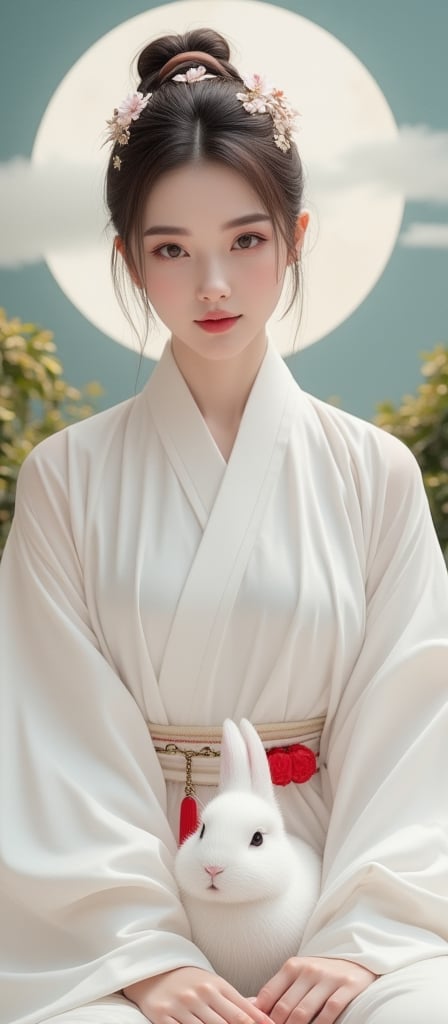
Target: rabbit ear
x,y
234,767
258,762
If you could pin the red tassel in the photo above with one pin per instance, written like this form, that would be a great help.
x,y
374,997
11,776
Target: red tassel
x,y
189,818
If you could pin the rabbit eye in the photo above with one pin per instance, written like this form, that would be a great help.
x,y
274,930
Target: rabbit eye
x,y
257,839
202,832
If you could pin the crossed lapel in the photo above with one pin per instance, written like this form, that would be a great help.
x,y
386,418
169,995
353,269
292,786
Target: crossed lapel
x,y
229,501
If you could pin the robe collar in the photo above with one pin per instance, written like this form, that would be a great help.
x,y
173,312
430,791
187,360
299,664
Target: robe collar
x,y
229,499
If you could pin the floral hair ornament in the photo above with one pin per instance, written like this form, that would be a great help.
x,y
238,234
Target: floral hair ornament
x,y
128,111
193,75
263,98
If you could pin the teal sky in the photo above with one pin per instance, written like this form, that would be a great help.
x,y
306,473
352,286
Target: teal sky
x,y
375,353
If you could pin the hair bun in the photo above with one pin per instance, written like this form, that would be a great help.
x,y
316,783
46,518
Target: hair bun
x,y
153,57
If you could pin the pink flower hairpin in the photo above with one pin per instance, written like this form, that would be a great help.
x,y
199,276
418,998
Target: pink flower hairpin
x,y
193,75
128,111
263,98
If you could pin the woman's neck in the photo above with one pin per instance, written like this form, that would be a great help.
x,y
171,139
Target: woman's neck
x,y
220,387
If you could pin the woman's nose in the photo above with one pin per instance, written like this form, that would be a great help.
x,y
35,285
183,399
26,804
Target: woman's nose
x,y
213,286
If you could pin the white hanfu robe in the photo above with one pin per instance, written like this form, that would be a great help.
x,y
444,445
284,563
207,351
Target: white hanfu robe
x,y
147,580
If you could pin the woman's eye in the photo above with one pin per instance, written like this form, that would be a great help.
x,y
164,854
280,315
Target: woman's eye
x,y
173,250
246,240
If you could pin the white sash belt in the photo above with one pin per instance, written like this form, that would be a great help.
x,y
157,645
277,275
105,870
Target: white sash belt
x,y
175,744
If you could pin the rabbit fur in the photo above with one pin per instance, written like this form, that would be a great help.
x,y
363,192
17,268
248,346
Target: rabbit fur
x,y
248,887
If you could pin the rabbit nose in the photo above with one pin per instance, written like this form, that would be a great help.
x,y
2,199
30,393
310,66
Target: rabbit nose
x,y
213,870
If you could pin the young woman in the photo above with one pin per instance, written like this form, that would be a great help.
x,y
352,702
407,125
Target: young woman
x,y
223,544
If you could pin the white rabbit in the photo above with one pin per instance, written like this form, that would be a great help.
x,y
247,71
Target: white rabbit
x,y
247,885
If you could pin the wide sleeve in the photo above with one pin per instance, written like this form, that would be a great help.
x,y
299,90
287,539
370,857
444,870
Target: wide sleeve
x,y
384,901
88,899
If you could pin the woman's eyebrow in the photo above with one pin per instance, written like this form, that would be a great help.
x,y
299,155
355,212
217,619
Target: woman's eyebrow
x,y
166,229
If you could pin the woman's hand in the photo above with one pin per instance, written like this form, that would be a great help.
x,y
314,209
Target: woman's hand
x,y
189,995
312,988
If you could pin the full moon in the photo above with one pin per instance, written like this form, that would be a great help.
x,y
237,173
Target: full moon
x,y
353,229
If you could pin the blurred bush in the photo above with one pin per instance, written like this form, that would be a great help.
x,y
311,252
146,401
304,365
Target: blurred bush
x,y
35,401
421,421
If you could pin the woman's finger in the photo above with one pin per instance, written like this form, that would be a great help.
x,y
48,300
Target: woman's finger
x,y
280,985
334,1005
235,1009
213,998
309,1007
314,989
305,996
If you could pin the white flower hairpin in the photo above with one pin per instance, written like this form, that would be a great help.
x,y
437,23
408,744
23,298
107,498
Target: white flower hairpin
x,y
263,98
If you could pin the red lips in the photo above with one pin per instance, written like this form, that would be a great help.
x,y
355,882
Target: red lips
x,y
218,325
217,314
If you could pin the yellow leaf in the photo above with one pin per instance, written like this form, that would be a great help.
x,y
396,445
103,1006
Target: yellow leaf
x,y
52,365
6,414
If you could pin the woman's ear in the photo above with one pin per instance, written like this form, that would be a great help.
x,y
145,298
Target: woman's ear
x,y
299,234
121,248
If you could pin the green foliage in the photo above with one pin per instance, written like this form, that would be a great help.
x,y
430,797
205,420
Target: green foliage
x,y
35,402
421,421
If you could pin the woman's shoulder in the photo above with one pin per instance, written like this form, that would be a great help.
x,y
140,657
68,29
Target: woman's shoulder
x,y
74,450
376,466
372,449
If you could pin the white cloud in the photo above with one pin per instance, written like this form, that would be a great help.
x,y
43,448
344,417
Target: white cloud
x,y
414,163
42,207
59,207
425,236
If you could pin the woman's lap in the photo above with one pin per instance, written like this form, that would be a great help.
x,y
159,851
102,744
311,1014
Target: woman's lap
x,y
412,995
109,1010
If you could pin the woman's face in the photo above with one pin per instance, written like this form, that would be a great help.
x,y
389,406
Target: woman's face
x,y
199,260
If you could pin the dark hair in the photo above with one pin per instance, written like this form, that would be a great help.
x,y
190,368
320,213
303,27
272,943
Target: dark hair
x,y
182,124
